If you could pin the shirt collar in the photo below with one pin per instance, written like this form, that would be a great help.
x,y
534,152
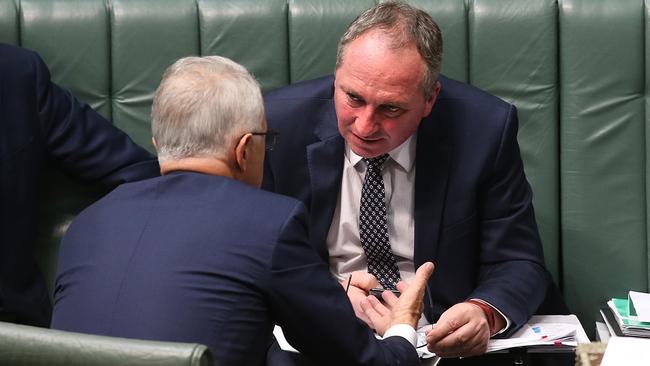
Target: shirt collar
x,y
403,155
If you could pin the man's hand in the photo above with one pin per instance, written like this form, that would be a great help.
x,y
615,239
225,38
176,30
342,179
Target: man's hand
x,y
403,310
461,331
360,285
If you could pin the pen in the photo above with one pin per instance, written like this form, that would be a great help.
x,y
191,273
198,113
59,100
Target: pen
x,y
348,285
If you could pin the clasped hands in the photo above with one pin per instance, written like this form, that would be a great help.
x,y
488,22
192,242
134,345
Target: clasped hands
x,y
461,331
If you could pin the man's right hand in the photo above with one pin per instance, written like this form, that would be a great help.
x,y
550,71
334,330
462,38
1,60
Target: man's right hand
x,y
406,309
360,285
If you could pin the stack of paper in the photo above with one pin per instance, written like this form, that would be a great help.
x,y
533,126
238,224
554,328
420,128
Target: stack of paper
x,y
544,333
626,351
639,305
627,323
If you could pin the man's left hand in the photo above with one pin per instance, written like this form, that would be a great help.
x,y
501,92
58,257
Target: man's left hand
x,y
461,331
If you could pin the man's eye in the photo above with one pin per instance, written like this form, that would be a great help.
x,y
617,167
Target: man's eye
x,y
392,110
354,98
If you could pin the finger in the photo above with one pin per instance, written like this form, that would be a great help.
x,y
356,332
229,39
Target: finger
x,y
476,350
445,347
364,280
402,286
367,312
379,307
368,308
373,309
444,327
466,341
471,347
389,298
477,345
356,295
448,347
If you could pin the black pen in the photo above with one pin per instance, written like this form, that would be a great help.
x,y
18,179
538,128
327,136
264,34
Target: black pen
x,y
348,285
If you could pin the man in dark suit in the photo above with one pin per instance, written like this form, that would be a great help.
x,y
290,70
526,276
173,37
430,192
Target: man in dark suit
x,y
200,254
468,208
43,124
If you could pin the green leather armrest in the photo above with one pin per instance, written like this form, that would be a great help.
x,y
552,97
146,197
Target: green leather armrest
x,y
25,345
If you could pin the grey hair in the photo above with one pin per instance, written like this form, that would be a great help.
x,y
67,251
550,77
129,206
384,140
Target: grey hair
x,y
405,25
202,105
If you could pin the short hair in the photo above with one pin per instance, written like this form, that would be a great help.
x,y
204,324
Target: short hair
x,y
405,25
202,105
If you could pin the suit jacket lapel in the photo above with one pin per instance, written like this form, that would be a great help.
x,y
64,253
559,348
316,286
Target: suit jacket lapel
x,y
433,155
325,163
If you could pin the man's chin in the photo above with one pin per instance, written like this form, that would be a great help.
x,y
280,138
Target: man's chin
x,y
368,152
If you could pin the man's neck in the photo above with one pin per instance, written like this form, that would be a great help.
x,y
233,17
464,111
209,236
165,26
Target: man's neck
x,y
205,165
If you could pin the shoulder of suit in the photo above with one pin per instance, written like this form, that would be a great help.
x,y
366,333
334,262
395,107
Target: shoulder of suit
x,y
275,199
457,90
16,56
321,88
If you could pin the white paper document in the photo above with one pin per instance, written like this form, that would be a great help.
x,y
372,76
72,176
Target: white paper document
x,y
641,303
282,342
628,351
547,331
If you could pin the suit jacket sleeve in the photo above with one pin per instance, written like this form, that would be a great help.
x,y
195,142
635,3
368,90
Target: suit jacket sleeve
x,y
313,309
82,142
512,276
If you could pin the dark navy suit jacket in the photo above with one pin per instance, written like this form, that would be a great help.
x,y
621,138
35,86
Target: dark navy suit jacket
x,y
42,124
198,258
473,212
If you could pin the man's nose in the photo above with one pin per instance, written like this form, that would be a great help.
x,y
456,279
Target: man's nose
x,y
365,122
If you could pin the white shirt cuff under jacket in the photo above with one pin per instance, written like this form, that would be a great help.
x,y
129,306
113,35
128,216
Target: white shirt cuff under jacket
x,y
403,330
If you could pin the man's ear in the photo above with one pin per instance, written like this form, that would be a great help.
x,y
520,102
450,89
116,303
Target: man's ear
x,y
432,99
153,141
241,152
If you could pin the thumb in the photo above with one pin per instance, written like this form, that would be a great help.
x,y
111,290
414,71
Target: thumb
x,y
419,282
422,274
409,305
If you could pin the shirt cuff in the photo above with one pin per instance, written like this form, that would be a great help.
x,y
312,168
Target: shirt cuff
x,y
499,311
403,330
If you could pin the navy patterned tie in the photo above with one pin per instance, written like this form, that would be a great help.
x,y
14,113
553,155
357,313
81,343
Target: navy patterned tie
x,y
373,226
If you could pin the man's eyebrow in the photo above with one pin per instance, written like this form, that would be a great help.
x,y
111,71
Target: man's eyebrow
x,y
352,93
388,104
394,105
347,90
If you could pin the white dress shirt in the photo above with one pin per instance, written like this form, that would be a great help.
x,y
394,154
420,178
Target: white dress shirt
x,y
343,243
346,254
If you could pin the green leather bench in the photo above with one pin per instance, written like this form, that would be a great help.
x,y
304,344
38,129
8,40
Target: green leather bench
x,y
22,345
576,69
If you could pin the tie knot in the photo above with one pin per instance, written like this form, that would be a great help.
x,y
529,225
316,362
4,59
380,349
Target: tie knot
x,y
375,164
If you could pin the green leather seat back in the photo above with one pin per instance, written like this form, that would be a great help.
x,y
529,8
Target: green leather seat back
x,y
575,69
142,47
603,154
253,32
31,346
9,22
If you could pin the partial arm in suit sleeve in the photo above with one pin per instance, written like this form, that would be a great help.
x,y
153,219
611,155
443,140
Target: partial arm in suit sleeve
x,y
314,312
82,142
512,276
